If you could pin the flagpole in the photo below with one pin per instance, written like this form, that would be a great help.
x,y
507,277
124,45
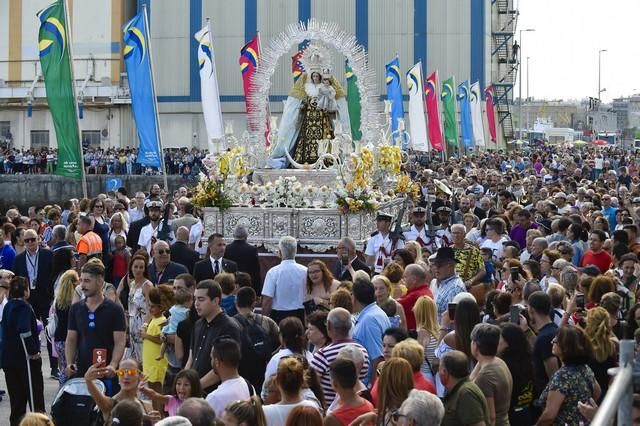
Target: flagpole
x,y
266,141
155,99
75,98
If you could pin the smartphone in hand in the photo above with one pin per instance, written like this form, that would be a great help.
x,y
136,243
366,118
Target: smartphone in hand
x,y
514,314
99,357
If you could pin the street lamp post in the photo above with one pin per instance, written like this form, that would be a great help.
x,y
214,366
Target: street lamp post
x,y
528,57
599,69
520,84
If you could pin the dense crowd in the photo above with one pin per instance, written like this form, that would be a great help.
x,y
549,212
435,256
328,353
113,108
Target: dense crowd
x,y
101,161
503,302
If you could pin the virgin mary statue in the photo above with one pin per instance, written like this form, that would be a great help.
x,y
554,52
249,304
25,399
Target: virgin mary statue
x,y
314,102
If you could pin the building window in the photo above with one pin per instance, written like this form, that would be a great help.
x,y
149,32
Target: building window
x,y
5,129
90,139
39,139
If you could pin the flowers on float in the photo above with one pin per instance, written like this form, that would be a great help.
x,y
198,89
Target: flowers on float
x,y
405,186
390,158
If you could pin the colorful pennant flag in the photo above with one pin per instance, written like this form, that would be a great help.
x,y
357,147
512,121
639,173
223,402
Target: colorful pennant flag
x,y
297,69
417,120
249,58
209,87
394,92
55,59
433,112
448,98
491,114
138,64
476,115
466,129
353,102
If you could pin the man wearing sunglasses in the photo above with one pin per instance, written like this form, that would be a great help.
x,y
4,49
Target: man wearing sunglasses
x,y
162,269
35,264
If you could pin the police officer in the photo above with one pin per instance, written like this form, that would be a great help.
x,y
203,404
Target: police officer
x,y
381,244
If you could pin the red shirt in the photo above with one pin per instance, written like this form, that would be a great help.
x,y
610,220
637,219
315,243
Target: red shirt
x,y
602,260
408,300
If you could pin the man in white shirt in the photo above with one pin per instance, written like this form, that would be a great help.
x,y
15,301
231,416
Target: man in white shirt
x,y
155,230
225,359
138,212
418,231
381,246
284,285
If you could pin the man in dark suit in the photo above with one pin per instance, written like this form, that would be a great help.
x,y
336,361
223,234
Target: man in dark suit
x,y
245,255
348,260
214,263
181,252
134,230
35,264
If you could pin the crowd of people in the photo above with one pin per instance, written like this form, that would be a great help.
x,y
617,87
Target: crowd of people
x,y
503,302
99,161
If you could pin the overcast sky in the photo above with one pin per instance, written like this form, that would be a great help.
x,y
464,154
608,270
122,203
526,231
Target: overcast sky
x,y
563,50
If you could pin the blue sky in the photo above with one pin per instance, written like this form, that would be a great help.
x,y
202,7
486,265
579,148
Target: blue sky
x,y
563,50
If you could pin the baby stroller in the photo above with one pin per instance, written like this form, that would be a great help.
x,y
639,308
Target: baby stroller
x,y
74,406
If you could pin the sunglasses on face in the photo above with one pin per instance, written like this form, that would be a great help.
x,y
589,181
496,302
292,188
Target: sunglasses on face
x,y
127,371
29,240
164,251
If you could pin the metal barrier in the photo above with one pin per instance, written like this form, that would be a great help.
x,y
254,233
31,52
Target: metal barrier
x,y
619,397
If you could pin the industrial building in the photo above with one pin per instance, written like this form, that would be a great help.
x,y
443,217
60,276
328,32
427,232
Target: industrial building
x,y
469,39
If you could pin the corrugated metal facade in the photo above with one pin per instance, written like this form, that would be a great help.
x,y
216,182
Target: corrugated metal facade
x,y
437,31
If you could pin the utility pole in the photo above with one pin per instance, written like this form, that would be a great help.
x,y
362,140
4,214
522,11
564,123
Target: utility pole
x,y
520,84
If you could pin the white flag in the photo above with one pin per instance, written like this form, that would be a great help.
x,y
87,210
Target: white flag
x,y
209,87
417,120
476,115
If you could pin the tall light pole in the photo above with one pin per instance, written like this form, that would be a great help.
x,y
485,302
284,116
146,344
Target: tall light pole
x,y
599,69
528,107
520,84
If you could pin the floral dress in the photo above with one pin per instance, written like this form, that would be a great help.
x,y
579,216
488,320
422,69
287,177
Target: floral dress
x,y
576,384
137,313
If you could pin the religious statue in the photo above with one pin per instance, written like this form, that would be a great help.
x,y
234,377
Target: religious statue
x,y
316,100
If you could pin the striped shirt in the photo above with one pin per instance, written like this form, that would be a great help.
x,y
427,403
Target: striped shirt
x,y
322,361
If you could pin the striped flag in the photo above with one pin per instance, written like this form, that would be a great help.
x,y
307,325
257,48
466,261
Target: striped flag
x,y
353,102
476,115
491,114
433,112
209,87
394,92
417,120
55,60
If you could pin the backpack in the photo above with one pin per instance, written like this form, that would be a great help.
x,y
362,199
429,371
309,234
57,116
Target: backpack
x,y
52,323
255,340
257,347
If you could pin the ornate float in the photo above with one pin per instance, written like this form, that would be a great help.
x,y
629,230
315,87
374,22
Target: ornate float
x,y
338,193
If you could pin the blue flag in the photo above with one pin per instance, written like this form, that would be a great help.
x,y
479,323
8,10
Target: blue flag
x,y
143,106
466,129
394,93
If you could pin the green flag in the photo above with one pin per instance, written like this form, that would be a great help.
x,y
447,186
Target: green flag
x,y
53,43
353,103
449,108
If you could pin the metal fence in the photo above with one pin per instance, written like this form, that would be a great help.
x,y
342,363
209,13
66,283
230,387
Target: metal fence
x,y
619,398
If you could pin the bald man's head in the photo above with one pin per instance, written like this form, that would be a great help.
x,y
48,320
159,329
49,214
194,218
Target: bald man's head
x,y
182,234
